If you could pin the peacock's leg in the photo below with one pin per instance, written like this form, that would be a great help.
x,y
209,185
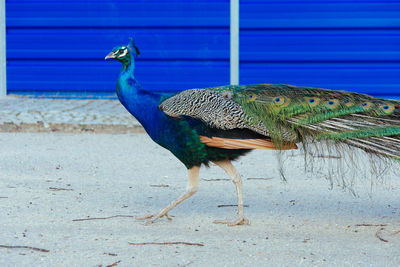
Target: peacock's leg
x,y
192,188
227,166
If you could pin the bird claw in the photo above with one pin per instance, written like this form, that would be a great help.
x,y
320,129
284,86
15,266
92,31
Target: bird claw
x,y
153,217
238,221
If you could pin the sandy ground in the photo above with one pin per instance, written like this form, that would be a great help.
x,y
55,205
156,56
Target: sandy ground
x,y
49,180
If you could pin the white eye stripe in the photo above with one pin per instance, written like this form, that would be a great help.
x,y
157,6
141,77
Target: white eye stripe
x,y
124,53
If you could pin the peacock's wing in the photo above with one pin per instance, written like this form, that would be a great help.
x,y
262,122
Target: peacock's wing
x,y
289,114
218,119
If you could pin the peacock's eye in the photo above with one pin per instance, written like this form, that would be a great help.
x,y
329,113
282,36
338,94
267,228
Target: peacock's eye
x,y
121,51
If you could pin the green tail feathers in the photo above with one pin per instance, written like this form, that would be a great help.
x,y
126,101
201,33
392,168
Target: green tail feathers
x,y
363,133
301,114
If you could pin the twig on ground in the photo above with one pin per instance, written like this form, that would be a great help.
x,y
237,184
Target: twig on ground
x,y
187,264
223,206
114,264
103,218
377,234
159,185
60,189
27,247
110,254
259,178
369,224
328,157
167,243
213,180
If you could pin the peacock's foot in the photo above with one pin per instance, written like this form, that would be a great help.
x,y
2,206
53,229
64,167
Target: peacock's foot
x,y
150,218
238,221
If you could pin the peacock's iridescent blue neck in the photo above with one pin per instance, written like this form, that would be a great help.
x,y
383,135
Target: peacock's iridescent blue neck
x,y
140,103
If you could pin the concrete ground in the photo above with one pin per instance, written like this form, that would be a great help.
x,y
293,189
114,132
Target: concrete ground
x,y
69,200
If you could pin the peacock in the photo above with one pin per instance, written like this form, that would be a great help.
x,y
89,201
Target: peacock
x,y
220,124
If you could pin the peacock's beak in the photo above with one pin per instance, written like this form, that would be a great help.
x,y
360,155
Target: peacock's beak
x,y
110,55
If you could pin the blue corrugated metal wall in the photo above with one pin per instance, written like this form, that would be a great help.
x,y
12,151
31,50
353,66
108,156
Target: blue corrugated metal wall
x,y
341,44
56,46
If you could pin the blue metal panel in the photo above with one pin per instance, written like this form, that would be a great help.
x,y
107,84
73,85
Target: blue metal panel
x,y
342,44
59,46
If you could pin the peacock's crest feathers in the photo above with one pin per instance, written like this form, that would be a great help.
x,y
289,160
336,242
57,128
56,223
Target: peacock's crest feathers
x,y
133,49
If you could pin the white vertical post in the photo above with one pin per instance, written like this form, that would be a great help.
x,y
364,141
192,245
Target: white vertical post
x,y
3,77
234,32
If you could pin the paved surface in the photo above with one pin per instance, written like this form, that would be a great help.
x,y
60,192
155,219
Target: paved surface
x,y
49,180
54,114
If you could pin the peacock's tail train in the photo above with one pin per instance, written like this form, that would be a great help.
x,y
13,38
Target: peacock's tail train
x,y
288,115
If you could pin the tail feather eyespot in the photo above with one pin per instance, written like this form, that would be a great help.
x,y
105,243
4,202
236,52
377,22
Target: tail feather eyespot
x,y
281,101
311,101
251,97
332,103
367,105
348,103
387,108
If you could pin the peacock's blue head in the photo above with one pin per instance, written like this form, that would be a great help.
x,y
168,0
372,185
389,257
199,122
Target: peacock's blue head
x,y
124,53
